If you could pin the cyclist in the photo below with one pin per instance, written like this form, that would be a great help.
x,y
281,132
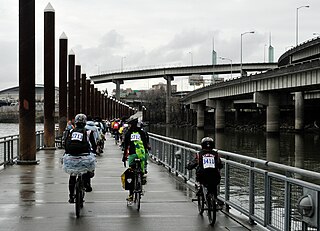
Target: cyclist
x,y
94,130
208,164
135,146
79,142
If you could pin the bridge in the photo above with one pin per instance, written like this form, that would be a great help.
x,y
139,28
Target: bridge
x,y
265,197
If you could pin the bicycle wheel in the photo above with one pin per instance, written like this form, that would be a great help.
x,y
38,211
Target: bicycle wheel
x,y
78,198
211,209
137,191
200,200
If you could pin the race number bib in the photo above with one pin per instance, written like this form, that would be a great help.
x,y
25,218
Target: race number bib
x,y
135,137
208,162
77,136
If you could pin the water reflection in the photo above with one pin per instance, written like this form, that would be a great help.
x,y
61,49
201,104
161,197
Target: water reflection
x,y
273,147
298,150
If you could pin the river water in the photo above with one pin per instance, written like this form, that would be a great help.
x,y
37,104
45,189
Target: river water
x,y
297,150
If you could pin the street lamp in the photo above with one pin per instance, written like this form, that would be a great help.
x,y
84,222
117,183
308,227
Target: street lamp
x,y
223,58
248,32
122,58
98,68
191,58
297,23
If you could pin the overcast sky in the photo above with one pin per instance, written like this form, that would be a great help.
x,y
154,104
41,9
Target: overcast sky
x,y
158,33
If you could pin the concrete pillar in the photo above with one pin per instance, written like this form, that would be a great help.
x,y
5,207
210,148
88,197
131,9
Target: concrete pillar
x,y
168,98
49,77
63,75
220,140
299,151
27,63
200,116
71,109
220,122
77,89
118,83
273,113
299,111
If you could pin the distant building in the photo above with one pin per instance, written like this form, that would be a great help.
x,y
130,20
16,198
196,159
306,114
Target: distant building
x,y
10,96
164,87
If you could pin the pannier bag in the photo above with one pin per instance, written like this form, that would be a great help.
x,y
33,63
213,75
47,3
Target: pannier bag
x,y
127,179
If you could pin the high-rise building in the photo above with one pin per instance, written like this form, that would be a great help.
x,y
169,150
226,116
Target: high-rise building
x,y
271,51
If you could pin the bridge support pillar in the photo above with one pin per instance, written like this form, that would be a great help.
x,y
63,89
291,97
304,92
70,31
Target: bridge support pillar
x,y
299,111
200,115
219,116
118,82
273,113
168,98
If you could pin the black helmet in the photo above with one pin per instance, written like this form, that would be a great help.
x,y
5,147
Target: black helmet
x,y
207,143
132,120
80,119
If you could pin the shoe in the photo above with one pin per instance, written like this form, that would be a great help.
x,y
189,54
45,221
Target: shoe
x,y
144,179
71,199
130,198
88,188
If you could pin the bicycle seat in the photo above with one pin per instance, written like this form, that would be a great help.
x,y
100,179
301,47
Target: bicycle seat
x,y
137,160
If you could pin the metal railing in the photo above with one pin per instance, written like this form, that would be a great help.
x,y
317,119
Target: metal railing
x,y
266,192
9,148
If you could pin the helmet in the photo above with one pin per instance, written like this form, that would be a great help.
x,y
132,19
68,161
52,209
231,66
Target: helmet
x,y
207,143
132,120
97,124
80,119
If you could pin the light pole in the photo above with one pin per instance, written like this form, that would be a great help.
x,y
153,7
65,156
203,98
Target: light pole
x,y
98,66
223,58
248,32
191,58
122,59
297,23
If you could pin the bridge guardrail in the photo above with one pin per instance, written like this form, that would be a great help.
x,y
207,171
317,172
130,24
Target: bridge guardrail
x,y
9,147
266,192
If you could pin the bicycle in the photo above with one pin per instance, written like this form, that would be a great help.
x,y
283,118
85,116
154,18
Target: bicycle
x,y
137,190
80,192
206,201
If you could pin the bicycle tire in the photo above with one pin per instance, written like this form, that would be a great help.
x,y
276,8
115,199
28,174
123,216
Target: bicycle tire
x,y
78,199
200,200
211,212
138,190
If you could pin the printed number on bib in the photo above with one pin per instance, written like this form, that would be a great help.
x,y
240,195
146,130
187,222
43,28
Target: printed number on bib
x,y
135,137
208,162
77,136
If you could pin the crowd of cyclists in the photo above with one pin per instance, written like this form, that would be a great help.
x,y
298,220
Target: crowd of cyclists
x,y
84,139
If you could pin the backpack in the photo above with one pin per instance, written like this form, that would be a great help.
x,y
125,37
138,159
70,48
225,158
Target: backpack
x,y
77,142
116,126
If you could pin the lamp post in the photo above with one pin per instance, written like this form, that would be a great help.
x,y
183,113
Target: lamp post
x,y
98,66
248,32
223,58
191,58
297,23
122,59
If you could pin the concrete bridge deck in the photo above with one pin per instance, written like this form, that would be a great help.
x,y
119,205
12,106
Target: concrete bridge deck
x,y
35,198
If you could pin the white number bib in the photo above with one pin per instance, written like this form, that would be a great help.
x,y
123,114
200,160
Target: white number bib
x,y
77,136
208,161
135,137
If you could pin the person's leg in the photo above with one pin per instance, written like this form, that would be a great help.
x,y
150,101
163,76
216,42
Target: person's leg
x,y
72,183
87,181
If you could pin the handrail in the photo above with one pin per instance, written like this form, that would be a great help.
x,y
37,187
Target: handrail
x,y
9,147
268,193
